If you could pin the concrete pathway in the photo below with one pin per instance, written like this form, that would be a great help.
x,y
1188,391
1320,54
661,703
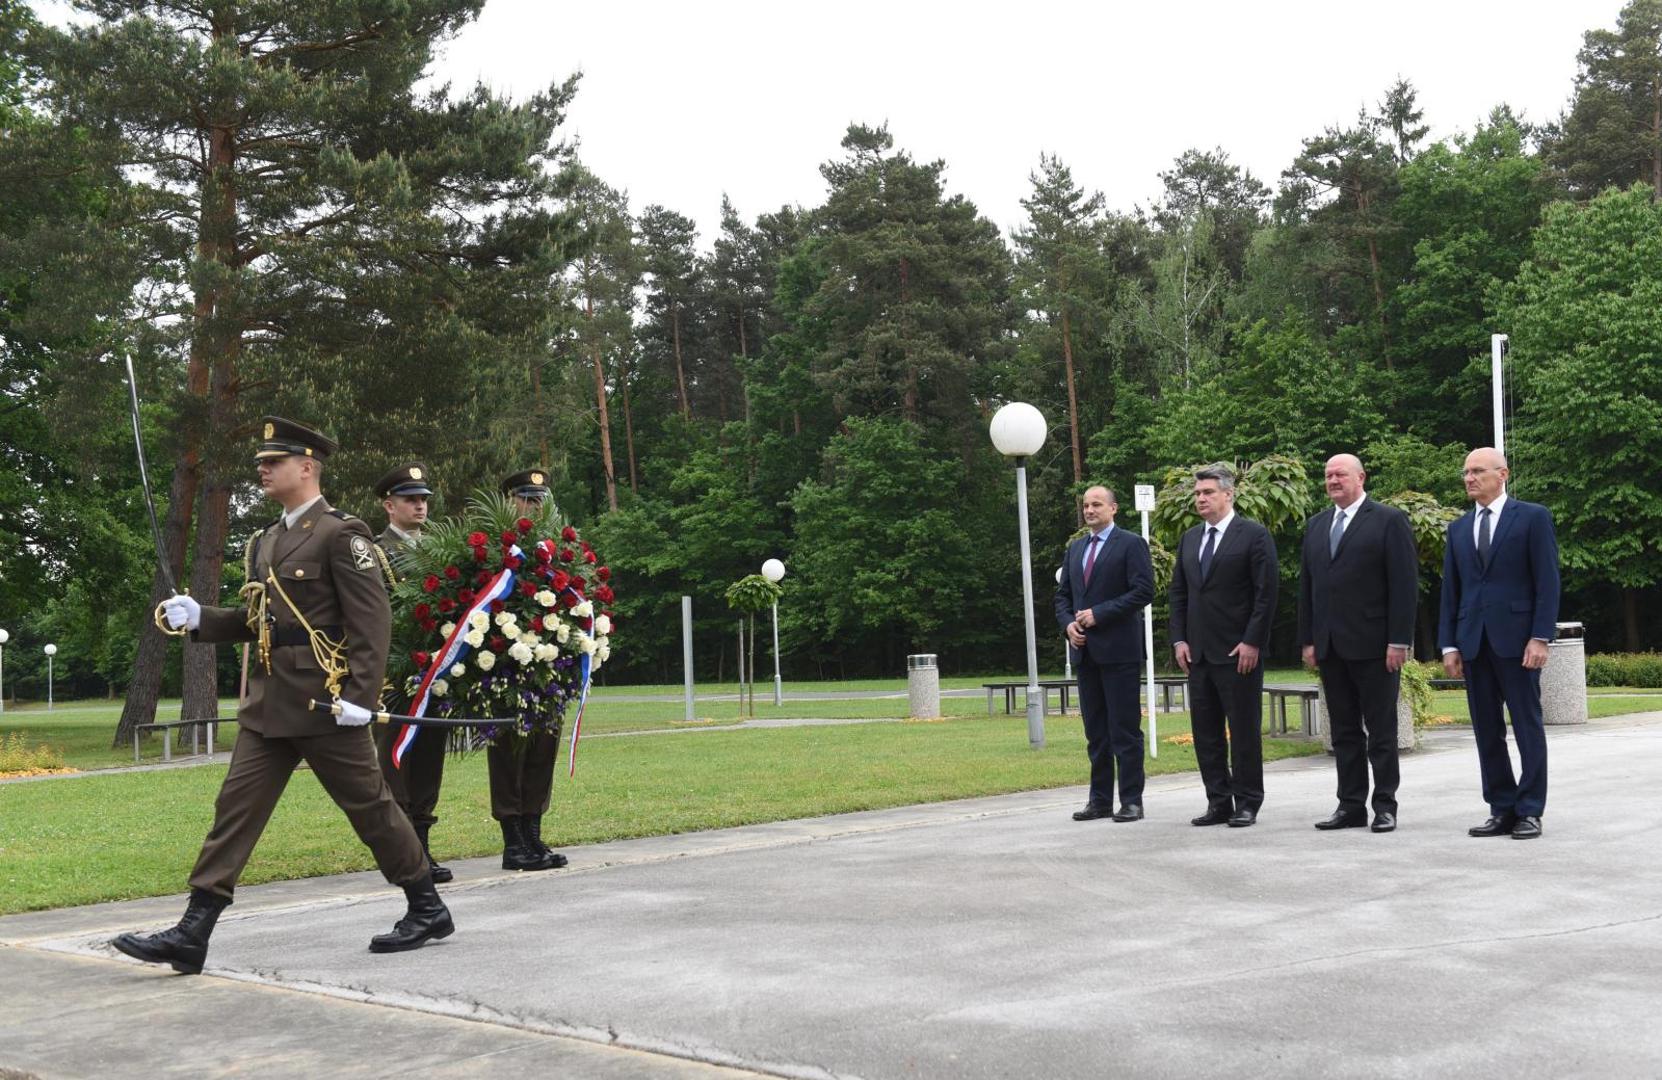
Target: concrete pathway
x,y
983,938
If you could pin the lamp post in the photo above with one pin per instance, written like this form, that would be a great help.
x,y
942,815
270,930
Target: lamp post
x,y
51,651
4,637
774,571
1067,652
1018,430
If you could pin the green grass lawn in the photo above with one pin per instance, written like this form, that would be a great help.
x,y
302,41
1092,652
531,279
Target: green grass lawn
x,y
82,840
1623,700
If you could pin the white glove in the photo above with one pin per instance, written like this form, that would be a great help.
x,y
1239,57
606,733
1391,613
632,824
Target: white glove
x,y
182,611
351,715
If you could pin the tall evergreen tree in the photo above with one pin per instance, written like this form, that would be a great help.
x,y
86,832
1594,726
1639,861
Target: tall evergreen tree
x,y
1611,135
668,246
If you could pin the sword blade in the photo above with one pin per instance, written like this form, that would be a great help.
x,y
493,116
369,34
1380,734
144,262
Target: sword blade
x,y
425,721
162,562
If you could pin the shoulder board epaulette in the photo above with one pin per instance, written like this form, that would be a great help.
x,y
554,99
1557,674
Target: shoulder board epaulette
x,y
342,514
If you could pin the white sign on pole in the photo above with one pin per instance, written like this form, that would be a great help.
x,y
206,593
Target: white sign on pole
x,y
1145,500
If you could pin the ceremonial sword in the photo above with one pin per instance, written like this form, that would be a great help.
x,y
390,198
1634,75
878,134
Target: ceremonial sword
x,y
383,717
162,563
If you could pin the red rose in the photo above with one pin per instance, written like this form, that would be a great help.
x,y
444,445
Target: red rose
x,y
561,580
452,573
568,534
577,583
544,550
497,606
604,573
509,537
465,596
480,554
421,612
586,546
588,557
431,583
524,525
421,659
476,539
498,643
446,604
529,588
513,562
536,623
569,600
430,626
604,593
566,555
482,577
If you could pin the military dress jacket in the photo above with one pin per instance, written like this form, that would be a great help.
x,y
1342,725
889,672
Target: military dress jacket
x,y
328,566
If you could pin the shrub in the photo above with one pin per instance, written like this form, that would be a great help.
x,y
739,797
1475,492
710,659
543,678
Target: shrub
x,y
1625,669
17,756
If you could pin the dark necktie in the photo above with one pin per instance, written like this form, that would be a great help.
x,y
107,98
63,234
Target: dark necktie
x,y
1206,551
1483,537
1090,557
1337,534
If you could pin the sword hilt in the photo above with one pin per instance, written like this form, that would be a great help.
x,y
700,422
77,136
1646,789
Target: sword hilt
x,y
333,709
159,616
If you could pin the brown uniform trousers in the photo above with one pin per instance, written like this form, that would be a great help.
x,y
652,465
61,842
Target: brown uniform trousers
x,y
522,773
327,568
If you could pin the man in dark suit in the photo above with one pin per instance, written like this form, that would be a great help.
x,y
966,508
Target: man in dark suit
x,y
1222,599
1357,585
1499,612
1107,580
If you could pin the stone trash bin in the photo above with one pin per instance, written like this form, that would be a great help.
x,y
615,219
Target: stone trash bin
x,y
923,687
1564,679
1407,737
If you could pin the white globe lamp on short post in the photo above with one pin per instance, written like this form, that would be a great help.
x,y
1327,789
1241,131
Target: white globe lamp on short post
x,y
774,571
1018,430
51,651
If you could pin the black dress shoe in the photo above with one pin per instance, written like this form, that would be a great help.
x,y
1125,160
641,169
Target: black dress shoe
x,y
1384,821
1343,819
1498,825
1129,812
1527,828
1092,812
1211,817
1243,817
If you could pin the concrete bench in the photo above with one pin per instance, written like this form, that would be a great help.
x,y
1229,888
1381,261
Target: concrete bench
x,y
1305,694
166,728
1045,687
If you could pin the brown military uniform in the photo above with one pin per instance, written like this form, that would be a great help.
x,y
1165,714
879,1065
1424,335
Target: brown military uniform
x,y
415,782
328,568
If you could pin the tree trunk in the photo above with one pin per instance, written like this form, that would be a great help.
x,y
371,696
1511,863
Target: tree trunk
x,y
150,659
599,383
680,370
1073,397
628,420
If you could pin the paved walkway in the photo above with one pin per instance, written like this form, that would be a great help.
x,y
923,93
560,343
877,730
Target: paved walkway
x,y
983,938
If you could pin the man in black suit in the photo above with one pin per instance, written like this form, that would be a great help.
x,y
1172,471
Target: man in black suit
x,y
1222,599
1358,580
1499,612
1107,580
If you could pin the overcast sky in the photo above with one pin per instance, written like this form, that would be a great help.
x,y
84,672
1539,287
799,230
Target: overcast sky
x,y
680,102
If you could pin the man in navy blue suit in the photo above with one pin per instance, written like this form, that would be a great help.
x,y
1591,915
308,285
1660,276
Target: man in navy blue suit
x,y
1107,580
1499,611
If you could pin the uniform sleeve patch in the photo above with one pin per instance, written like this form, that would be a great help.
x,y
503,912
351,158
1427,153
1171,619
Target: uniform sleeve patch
x,y
361,556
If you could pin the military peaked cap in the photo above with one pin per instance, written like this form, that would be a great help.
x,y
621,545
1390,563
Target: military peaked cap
x,y
280,438
530,484
408,479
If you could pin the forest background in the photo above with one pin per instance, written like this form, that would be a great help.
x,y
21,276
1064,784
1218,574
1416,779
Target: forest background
x,y
265,208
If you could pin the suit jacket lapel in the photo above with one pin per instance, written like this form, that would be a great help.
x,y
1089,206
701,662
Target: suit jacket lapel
x,y
302,532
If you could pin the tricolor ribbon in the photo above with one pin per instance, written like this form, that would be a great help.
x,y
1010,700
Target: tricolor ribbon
x,y
585,667
455,648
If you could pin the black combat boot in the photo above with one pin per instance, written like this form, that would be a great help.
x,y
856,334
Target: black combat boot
x,y
441,874
185,946
517,850
426,920
533,837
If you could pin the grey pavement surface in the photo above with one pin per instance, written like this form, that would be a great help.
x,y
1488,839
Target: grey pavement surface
x,y
983,938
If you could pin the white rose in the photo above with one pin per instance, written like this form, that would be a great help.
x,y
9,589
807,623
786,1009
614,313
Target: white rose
x,y
583,610
561,633
479,620
446,630
520,651
546,598
475,638
440,688
485,661
506,618
604,651
546,653
457,670
585,643
529,636
602,625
